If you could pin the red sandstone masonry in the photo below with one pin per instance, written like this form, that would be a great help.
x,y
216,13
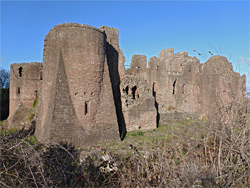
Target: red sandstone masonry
x,y
85,92
25,81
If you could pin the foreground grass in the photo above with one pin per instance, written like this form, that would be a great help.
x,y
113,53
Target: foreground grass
x,y
185,153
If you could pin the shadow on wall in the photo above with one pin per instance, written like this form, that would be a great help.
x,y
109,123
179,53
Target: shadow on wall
x,y
156,104
112,58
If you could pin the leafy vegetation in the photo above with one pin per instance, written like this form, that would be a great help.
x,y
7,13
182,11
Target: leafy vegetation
x,y
34,104
4,93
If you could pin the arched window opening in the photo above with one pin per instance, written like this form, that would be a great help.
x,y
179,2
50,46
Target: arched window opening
x,y
157,67
135,94
174,84
20,71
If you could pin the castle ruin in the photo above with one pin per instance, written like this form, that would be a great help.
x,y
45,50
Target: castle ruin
x,y
86,96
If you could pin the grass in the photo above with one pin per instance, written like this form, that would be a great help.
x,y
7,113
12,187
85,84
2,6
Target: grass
x,y
32,140
4,132
166,135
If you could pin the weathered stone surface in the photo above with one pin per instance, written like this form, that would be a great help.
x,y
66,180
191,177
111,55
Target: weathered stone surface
x,y
115,59
25,81
23,118
86,94
76,103
182,85
138,103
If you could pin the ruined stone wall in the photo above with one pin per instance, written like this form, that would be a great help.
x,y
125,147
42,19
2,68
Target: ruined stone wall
x,y
115,60
138,102
25,81
76,103
184,87
86,94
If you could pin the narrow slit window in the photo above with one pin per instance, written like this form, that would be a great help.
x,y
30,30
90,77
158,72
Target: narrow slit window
x,y
174,84
18,90
41,76
86,108
36,95
20,71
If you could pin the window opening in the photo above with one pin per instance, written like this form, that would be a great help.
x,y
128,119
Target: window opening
x,y
135,93
125,90
36,93
86,108
18,90
137,69
20,71
41,76
174,84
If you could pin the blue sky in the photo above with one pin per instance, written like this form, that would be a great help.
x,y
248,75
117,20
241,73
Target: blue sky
x,y
146,27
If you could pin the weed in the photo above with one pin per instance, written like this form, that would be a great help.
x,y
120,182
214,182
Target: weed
x,y
32,140
35,102
31,115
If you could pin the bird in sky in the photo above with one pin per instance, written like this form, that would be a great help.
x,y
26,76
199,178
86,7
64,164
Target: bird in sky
x,y
210,52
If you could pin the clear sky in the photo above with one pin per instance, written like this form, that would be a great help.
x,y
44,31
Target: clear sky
x,y
146,27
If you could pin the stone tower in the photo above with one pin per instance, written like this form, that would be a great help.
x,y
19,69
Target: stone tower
x,y
76,103
25,80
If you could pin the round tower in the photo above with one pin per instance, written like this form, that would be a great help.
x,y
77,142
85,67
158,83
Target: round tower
x,y
74,63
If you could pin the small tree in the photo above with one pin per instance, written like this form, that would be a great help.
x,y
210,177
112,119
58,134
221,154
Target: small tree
x,y
4,93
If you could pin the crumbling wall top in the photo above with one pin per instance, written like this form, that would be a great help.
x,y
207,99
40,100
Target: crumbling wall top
x,y
219,63
112,34
76,25
166,53
72,25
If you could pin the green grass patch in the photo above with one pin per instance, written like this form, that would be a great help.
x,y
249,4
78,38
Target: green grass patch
x,y
135,134
4,132
32,140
